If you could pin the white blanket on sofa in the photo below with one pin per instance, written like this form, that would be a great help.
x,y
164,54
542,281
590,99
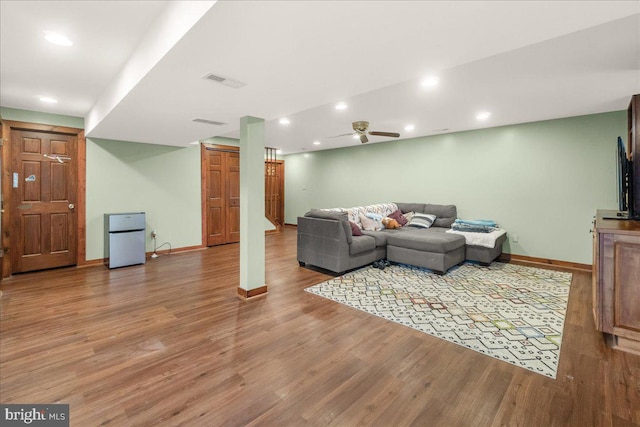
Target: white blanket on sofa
x,y
382,209
486,240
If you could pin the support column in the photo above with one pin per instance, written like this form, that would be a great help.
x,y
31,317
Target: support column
x,y
252,246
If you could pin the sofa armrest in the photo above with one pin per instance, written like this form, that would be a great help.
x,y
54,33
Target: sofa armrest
x,y
324,243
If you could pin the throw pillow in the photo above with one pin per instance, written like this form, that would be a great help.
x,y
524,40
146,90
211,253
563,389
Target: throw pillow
x,y
422,220
397,215
390,223
355,230
370,224
408,216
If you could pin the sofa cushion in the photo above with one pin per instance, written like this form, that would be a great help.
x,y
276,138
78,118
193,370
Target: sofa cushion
x,y
421,220
445,214
361,244
411,207
379,236
426,241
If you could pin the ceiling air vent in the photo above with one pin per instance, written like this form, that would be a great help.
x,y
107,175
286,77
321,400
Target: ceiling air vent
x,y
223,80
209,122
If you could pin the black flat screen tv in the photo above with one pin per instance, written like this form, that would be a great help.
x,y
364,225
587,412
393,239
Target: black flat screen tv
x,y
625,184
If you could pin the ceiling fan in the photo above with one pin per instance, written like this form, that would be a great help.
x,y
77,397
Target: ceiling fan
x,y
361,129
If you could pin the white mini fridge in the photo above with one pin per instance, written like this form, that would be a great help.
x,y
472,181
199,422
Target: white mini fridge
x,y
124,239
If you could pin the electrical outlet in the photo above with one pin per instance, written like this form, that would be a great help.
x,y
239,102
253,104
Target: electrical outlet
x,y
153,234
515,238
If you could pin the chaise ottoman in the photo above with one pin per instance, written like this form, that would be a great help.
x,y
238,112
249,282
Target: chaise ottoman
x,y
435,251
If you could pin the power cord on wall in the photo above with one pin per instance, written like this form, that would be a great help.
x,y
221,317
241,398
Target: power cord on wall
x,y
154,234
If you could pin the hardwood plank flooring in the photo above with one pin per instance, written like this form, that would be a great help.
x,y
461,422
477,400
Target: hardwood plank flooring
x,y
169,343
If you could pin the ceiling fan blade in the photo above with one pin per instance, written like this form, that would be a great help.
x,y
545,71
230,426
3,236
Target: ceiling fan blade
x,y
363,138
391,134
344,134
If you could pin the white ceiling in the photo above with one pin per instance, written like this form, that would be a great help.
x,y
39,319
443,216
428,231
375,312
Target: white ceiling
x,y
523,61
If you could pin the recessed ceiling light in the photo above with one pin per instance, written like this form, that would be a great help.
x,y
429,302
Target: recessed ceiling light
x,y
278,151
483,115
341,106
316,142
284,121
195,143
430,81
356,136
58,39
409,128
48,100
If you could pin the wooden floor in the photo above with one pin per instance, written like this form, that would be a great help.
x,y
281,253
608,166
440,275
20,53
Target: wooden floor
x,y
169,343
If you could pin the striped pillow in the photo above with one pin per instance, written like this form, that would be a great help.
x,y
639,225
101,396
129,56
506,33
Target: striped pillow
x,y
422,220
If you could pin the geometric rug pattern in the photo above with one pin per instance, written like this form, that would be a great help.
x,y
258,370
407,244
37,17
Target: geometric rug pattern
x,y
510,312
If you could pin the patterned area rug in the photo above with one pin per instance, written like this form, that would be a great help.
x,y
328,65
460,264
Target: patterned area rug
x,y
510,312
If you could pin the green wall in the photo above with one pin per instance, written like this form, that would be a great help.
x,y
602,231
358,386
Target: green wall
x,y
160,180
43,118
122,176
542,181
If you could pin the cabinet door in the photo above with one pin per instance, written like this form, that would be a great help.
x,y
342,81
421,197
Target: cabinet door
x,y
595,286
605,280
626,278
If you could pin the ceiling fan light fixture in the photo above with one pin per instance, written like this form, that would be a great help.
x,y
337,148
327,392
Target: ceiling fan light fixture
x,y
356,136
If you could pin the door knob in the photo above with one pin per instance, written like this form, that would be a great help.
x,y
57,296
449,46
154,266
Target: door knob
x,y
71,206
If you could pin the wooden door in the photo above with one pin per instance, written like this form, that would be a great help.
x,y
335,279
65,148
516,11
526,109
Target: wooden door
x,y
43,176
215,198
222,194
233,198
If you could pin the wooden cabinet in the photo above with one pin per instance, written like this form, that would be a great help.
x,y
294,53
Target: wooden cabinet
x,y
616,281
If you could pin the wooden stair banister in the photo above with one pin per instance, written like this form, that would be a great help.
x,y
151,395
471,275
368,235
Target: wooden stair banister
x,y
272,198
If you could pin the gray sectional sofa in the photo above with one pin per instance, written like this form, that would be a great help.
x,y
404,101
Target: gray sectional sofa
x,y
325,240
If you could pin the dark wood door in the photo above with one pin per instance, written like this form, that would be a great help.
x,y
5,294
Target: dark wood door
x,y
233,197
43,197
222,195
216,195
